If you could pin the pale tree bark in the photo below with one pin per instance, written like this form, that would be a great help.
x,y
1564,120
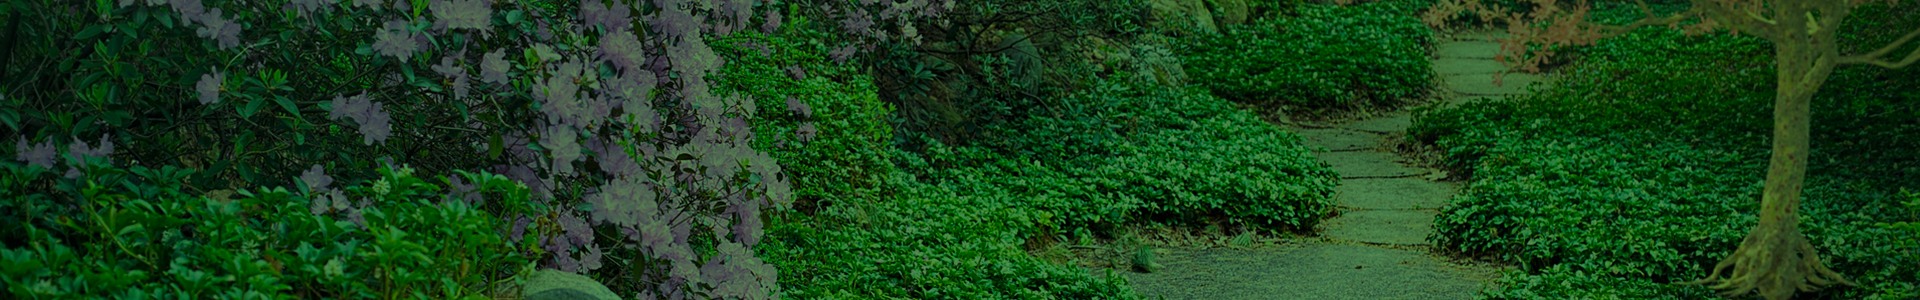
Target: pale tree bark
x,y
1775,259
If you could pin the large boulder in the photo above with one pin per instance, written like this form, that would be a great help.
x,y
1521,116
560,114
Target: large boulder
x,y
1182,13
550,284
1230,12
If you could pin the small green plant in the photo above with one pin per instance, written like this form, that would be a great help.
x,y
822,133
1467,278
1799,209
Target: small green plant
x,y
1369,54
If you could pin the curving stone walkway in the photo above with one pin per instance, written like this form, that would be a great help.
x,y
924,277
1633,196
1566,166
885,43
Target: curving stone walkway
x,y
1376,247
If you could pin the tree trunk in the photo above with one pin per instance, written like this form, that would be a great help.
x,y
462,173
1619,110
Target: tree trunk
x,y
1775,258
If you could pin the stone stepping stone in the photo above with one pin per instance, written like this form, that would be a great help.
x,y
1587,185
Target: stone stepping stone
x,y
1317,271
1340,139
1467,49
1395,122
1482,84
1394,193
550,284
1393,227
1367,164
1451,66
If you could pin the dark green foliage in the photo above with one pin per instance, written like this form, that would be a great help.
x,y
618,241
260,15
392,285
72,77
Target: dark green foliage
x,y
847,159
1642,167
131,234
932,242
1371,54
1143,154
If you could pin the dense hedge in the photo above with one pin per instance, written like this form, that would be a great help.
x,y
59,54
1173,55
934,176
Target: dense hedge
x,y
1642,167
1371,54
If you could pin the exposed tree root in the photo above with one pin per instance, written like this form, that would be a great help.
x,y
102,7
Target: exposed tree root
x,y
1776,260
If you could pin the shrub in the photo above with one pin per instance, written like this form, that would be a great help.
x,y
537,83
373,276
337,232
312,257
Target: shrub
x,y
1365,55
132,234
843,156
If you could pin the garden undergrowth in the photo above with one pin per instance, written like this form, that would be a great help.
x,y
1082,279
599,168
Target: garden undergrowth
x,y
1642,168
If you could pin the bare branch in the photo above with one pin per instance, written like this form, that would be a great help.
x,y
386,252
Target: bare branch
x,y
1875,57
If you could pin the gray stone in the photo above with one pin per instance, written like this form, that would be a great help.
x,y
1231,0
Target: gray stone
x,y
1315,271
1467,49
1398,121
550,284
1340,139
1366,164
1394,193
1393,227
1482,84
1450,66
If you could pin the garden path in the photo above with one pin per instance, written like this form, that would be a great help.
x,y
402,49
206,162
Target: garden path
x,y
1376,246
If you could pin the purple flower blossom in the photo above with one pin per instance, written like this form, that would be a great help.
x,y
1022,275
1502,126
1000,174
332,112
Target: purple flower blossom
x,y
189,10
209,87
563,261
376,127
319,204
464,191
316,179
339,200
622,48
349,107
306,8
456,73
773,22
565,146
40,155
462,14
374,120
806,132
396,40
615,18
576,229
592,259
358,217
219,28
840,55
799,108
493,66
519,228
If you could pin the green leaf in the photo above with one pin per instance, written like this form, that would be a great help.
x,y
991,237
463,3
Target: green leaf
x,y
494,146
253,105
287,104
515,16
128,29
131,228
91,31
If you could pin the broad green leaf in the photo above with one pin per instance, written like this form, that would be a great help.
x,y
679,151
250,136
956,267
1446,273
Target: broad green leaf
x,y
287,104
131,228
91,31
128,29
253,105
494,146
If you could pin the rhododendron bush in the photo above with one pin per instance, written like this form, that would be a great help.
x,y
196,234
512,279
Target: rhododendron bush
x,y
605,110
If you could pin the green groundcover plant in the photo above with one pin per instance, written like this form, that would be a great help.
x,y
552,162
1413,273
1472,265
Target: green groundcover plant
x,y
1619,180
132,234
1370,54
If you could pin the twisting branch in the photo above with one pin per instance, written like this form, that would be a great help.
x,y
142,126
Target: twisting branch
x,y
1876,57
